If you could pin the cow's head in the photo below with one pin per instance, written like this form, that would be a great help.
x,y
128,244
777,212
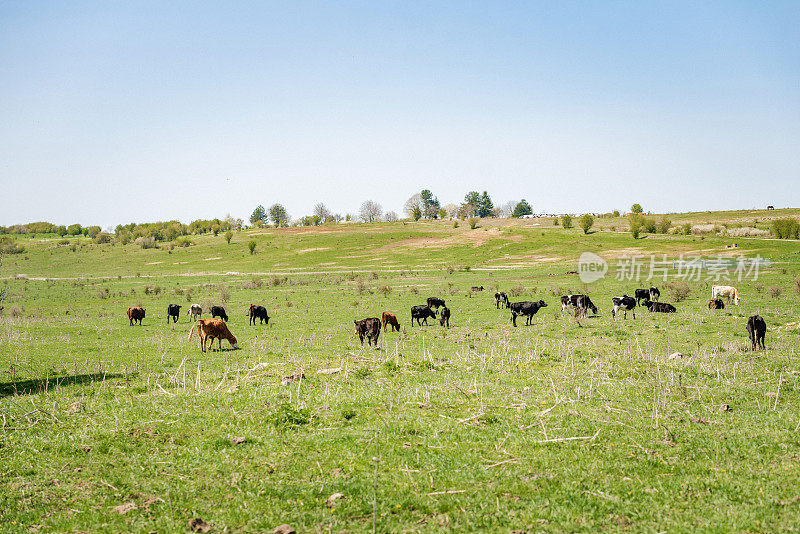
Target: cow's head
x,y
542,304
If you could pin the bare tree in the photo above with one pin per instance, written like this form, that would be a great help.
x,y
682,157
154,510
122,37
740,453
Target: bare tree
x,y
370,211
322,211
451,209
412,203
505,209
390,216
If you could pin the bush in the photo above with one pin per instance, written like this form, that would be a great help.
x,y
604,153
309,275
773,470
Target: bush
x,y
473,222
517,290
775,292
635,222
102,238
9,246
224,293
385,290
649,226
555,221
228,236
183,242
663,225
146,242
566,221
678,289
251,246
254,283
287,415
455,224
586,221
786,228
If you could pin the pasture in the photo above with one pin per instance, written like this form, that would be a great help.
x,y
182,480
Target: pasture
x,y
557,426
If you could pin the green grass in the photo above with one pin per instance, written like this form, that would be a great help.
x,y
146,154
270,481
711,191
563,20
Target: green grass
x,y
464,422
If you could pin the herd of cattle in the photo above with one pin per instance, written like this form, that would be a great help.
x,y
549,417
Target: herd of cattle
x,y
370,328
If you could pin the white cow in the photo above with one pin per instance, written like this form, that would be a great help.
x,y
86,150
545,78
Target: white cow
x,y
195,310
729,292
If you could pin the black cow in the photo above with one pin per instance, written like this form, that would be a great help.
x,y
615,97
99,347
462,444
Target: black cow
x,y
716,304
500,298
369,328
526,308
578,301
173,311
476,288
757,329
434,302
624,303
219,311
421,312
647,294
258,312
444,316
659,307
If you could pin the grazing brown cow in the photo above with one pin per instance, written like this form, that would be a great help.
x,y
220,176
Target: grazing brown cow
x,y
390,319
716,304
212,329
136,314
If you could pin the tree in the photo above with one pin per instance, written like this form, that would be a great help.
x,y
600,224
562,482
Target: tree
x,y
259,214
390,216
279,215
586,221
321,211
442,213
473,198
637,208
451,209
636,221
228,236
522,208
252,247
506,209
416,213
370,211
430,204
485,205
566,221
414,202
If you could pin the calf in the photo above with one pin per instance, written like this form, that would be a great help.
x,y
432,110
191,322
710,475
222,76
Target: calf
x,y
136,314
716,304
173,311
729,292
195,310
526,308
258,312
624,303
219,311
369,328
390,319
577,301
444,317
500,298
757,329
421,312
211,329
659,307
434,302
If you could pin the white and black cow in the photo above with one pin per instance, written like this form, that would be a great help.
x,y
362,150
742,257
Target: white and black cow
x,y
500,298
578,301
647,294
422,313
195,311
173,311
526,308
624,303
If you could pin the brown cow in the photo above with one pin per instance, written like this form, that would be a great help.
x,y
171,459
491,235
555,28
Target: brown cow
x,y
391,320
136,314
716,304
213,329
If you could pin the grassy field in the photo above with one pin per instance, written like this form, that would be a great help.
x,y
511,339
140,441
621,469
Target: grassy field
x,y
557,426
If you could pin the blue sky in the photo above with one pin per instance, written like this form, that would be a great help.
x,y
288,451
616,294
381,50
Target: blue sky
x,y
112,112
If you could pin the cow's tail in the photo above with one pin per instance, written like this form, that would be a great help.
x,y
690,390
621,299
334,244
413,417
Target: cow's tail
x,y
191,330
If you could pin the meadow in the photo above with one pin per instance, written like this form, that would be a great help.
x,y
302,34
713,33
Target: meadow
x,y
659,423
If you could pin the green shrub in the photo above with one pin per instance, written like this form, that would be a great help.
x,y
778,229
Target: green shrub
x,y
251,246
9,246
663,225
566,221
473,222
786,228
585,222
287,416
